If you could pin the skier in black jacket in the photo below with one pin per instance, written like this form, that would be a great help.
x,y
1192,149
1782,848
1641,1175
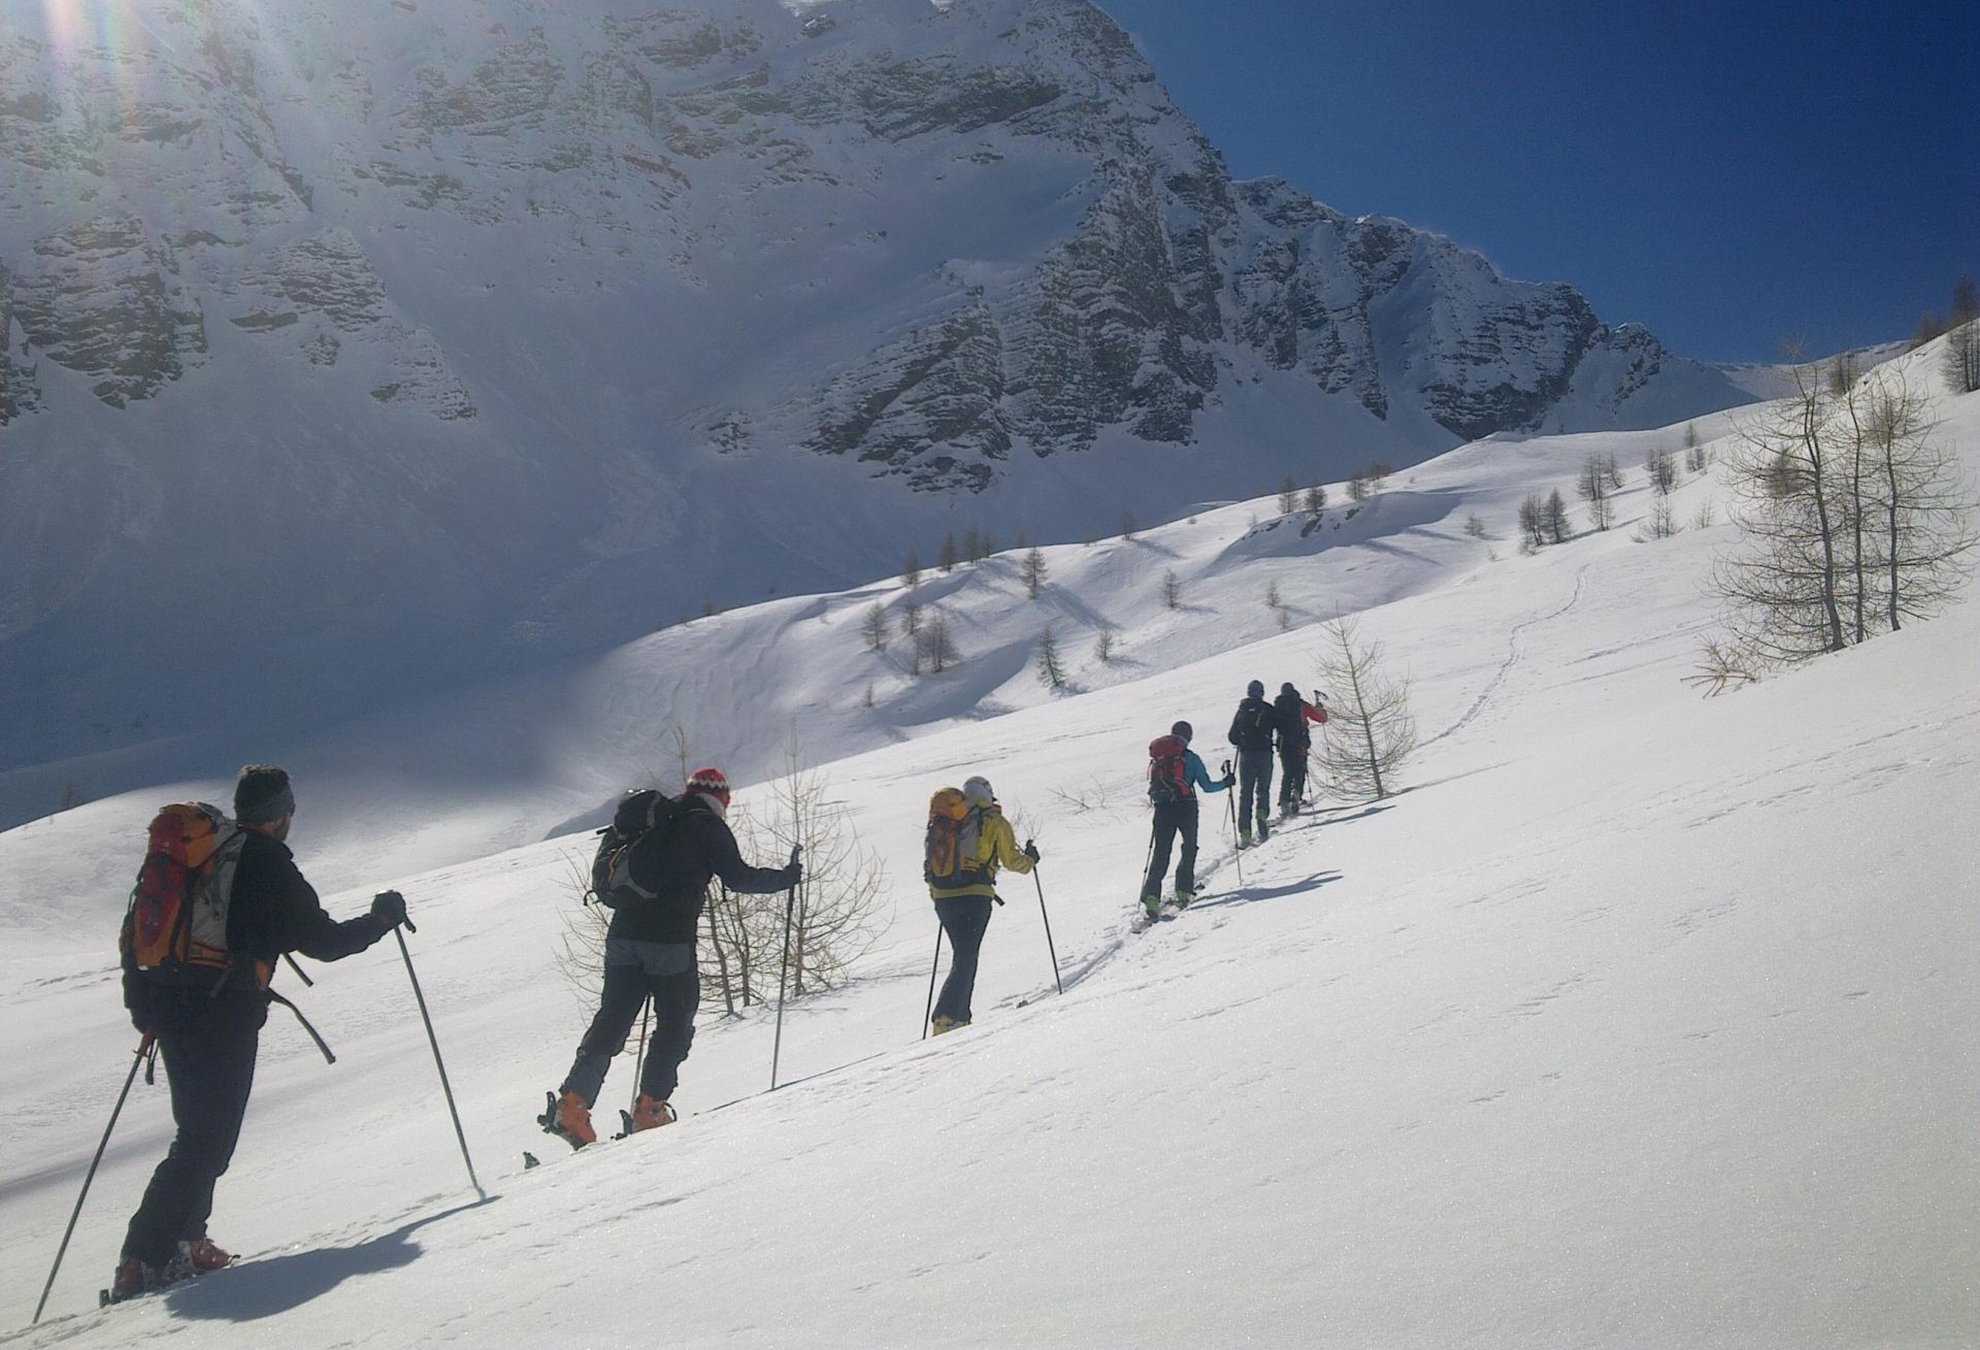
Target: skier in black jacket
x,y
649,951
1295,739
1251,733
208,1027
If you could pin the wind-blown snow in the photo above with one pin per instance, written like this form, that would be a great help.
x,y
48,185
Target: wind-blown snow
x,y
1636,1019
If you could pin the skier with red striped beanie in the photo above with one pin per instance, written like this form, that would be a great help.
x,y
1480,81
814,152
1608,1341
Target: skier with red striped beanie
x,y
661,885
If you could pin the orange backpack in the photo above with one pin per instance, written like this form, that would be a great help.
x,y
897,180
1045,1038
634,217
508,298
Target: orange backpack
x,y
948,857
176,924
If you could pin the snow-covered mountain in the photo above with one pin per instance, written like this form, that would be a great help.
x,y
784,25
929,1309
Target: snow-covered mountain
x,y
1633,1019
347,354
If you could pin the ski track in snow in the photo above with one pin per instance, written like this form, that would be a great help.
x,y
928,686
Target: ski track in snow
x,y
1512,659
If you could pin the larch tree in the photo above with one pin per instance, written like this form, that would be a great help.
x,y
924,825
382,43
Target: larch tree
x,y
1592,486
1369,732
1033,570
873,628
1051,673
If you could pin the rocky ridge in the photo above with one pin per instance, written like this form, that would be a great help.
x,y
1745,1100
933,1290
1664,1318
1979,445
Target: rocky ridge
x,y
524,290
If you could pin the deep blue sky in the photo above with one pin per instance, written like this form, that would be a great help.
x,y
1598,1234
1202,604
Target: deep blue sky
x,y
1730,174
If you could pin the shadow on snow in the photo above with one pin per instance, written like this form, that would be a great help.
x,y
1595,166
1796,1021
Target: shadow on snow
x,y
267,1288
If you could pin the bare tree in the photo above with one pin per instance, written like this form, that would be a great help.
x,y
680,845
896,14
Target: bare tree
x,y
1556,518
936,648
1128,525
1369,731
1662,471
1592,486
1316,500
1614,473
1722,665
1962,359
1050,673
873,628
911,569
972,545
1783,593
835,916
1379,469
1474,526
1288,496
1661,523
1103,647
1360,489
949,556
1533,521
1033,570
911,617
1965,300
1929,326
1926,510
1707,516
1171,590
1694,450
1273,600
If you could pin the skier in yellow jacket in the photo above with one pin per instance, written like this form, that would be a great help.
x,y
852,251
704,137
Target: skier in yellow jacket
x,y
962,901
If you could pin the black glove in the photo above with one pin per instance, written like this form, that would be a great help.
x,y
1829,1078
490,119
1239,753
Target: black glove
x,y
793,874
389,908
1230,780
1031,852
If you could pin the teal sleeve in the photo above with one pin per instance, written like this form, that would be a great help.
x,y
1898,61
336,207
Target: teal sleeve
x,y
1195,773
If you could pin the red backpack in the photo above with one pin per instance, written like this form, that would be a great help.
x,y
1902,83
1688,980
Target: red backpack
x,y
1167,781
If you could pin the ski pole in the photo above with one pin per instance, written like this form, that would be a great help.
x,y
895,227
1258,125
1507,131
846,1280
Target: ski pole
x,y
790,902
144,1048
928,1013
1048,928
639,1058
434,1041
1231,801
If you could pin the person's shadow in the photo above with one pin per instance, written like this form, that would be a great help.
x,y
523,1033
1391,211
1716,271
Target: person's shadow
x,y
1247,895
267,1288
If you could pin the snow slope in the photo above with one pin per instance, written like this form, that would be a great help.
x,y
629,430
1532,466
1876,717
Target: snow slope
x,y
458,776
1637,1019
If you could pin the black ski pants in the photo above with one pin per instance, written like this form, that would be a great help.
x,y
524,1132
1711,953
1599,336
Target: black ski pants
x,y
1254,785
1172,819
635,970
1292,780
209,1046
965,919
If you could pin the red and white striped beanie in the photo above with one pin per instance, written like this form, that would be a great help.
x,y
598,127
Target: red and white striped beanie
x,y
714,785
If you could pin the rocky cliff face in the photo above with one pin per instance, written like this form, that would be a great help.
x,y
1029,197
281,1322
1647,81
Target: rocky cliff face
x,y
547,284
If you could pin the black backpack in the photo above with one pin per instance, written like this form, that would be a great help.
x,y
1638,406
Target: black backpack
x,y
640,817
1252,728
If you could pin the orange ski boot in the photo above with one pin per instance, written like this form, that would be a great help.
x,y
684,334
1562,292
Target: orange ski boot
x,y
569,1118
649,1113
